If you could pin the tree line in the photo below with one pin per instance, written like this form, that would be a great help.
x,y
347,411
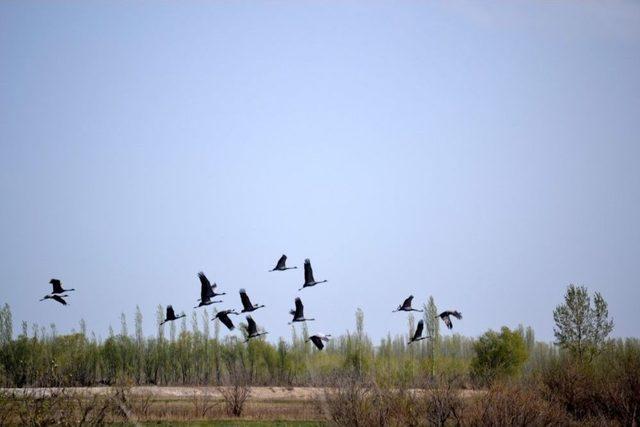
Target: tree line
x,y
193,354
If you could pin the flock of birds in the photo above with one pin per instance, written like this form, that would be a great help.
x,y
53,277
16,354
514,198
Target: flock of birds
x,y
445,316
208,294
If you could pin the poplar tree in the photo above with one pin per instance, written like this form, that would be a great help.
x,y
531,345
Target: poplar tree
x,y
432,327
582,327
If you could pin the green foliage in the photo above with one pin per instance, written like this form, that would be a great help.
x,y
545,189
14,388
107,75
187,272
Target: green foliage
x,y
432,329
6,324
498,355
582,328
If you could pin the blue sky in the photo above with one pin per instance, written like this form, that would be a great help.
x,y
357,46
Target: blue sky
x,y
485,154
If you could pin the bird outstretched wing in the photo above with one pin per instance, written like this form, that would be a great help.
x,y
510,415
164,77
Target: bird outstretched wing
x,y
407,302
252,328
317,341
226,321
57,286
282,263
170,312
205,286
419,329
299,308
59,299
308,271
447,321
244,298
203,279
456,314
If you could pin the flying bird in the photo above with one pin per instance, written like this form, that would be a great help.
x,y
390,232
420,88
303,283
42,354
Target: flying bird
x,y
57,287
406,305
58,298
447,320
246,303
206,300
298,313
318,338
223,316
171,315
206,292
417,336
252,329
308,275
282,264
206,285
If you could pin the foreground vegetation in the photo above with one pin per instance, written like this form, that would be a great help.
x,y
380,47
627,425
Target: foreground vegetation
x,y
585,378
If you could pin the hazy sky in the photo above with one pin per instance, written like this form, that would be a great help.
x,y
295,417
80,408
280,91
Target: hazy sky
x,y
485,154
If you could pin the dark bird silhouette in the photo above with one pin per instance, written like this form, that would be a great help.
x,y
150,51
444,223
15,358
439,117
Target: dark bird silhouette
x,y
57,287
58,298
417,336
252,329
406,305
298,313
206,292
447,320
223,316
308,276
246,303
210,289
318,338
205,300
282,264
171,315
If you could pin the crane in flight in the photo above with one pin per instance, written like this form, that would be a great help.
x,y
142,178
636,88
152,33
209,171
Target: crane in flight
x,y
252,329
282,264
298,313
406,305
309,280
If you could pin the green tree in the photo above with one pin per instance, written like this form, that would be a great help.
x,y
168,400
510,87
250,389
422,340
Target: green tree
x,y
498,355
582,327
124,332
6,324
159,319
432,329
138,326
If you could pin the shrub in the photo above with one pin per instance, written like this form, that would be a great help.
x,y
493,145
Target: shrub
x,y
443,402
498,355
515,405
354,401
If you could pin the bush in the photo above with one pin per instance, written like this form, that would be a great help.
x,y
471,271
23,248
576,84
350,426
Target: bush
x,y
515,405
354,401
443,402
498,355
606,388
